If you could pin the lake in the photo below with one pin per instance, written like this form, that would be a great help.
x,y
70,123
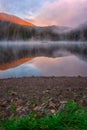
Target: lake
x,y
43,59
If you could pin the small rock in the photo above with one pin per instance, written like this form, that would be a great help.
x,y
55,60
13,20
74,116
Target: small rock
x,y
52,105
37,108
50,99
19,108
46,91
53,111
63,102
19,102
43,104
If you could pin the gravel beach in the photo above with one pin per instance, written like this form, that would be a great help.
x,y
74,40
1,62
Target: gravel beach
x,y
43,95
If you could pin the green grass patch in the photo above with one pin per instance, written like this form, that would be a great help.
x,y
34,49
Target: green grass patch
x,y
73,117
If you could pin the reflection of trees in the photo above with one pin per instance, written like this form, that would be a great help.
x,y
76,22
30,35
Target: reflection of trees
x,y
79,50
15,52
6,55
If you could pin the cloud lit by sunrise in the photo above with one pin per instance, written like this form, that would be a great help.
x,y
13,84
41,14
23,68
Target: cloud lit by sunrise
x,y
63,12
48,12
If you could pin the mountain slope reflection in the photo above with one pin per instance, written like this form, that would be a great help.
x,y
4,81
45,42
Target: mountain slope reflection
x,y
14,63
44,66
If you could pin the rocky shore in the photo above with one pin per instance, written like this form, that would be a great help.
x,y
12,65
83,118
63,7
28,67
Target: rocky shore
x,y
40,95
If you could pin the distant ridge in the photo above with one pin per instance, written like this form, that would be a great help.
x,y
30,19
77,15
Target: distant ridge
x,y
14,19
14,28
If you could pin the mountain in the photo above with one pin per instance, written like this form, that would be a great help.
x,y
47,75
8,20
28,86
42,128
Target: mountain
x,y
12,31
14,19
14,28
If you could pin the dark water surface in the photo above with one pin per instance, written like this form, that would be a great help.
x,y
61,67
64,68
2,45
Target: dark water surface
x,y
54,59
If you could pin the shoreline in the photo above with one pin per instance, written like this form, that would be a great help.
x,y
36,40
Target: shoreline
x,y
21,96
30,77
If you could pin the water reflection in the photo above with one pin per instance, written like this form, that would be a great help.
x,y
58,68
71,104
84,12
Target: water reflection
x,y
43,59
63,66
14,63
11,51
21,71
44,66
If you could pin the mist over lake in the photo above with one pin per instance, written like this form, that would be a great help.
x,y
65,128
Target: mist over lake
x,y
43,58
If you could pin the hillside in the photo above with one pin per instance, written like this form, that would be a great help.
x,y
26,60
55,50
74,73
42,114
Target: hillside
x,y
13,28
12,31
14,19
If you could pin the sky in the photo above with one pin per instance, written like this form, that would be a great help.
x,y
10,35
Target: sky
x,y
48,12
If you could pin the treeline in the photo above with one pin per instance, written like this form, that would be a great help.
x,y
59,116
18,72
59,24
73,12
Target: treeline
x,y
11,31
75,35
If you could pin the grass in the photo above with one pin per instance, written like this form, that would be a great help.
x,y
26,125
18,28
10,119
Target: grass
x,y
13,107
73,117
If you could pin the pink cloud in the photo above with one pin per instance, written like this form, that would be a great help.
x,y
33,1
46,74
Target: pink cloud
x,y
62,12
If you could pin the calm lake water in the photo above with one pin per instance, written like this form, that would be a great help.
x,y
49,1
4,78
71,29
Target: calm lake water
x,y
69,59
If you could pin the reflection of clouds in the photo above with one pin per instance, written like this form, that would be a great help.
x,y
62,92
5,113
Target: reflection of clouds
x,y
65,66
60,66
21,71
43,66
